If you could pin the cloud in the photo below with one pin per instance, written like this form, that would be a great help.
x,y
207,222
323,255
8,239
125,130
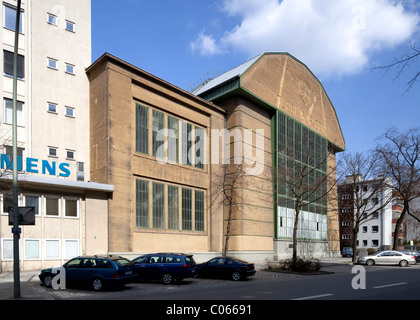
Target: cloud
x,y
205,45
334,38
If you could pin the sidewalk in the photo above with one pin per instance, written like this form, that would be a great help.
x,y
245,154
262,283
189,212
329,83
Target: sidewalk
x,y
30,287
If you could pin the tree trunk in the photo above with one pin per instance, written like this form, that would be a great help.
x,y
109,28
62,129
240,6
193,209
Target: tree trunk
x,y
295,230
398,226
226,248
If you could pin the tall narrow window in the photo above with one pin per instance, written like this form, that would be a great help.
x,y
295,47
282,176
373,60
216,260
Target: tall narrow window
x,y
173,140
158,124
10,18
142,204
8,112
158,205
186,143
199,147
8,63
173,208
199,210
142,129
51,207
32,201
186,209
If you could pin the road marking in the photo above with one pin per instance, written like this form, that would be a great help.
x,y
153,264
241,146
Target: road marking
x,y
390,285
315,297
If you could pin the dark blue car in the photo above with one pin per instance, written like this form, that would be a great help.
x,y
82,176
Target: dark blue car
x,y
94,271
166,267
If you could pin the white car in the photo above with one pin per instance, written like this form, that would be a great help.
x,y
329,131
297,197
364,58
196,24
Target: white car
x,y
388,257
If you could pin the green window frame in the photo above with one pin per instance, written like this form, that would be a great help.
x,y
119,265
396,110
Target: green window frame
x,y
199,210
158,215
186,209
158,124
142,129
173,207
142,203
199,147
173,140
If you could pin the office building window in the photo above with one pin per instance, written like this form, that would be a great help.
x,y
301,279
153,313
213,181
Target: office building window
x,y
52,107
7,249
52,152
158,206
8,112
70,112
52,206
158,137
142,204
186,143
52,63
71,248
70,26
10,18
199,210
32,249
52,19
186,209
7,202
142,129
70,69
32,201
71,208
52,249
199,147
70,155
8,63
173,208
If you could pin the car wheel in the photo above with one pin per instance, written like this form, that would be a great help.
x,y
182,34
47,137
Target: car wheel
x,y
167,278
236,275
48,280
370,262
403,263
97,284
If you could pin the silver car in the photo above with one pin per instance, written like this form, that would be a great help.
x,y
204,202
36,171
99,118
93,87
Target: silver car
x,y
387,257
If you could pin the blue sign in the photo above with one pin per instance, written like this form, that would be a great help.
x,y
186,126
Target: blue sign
x,y
37,166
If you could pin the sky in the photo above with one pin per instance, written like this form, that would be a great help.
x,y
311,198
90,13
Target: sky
x,y
185,42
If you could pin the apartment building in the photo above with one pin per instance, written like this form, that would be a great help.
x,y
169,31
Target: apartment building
x,y
372,207
53,134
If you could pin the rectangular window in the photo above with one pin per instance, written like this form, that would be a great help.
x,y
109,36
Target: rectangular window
x,y
52,249
186,209
199,147
52,152
8,112
70,26
142,129
70,112
52,19
70,154
32,249
52,207
71,69
10,18
71,208
52,107
52,63
7,249
142,204
173,140
186,143
173,208
7,202
158,136
158,206
32,201
199,210
71,249
9,152
8,63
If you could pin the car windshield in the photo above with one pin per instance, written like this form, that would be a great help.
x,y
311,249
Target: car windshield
x,y
189,260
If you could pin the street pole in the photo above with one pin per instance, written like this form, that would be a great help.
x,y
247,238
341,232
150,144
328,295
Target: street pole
x,y
16,229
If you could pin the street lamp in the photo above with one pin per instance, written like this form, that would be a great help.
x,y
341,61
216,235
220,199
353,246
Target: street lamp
x,y
16,230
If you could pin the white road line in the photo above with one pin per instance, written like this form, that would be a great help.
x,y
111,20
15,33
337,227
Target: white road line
x,y
315,297
390,285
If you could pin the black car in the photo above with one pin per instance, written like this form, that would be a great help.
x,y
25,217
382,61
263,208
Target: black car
x,y
414,253
226,267
94,271
166,267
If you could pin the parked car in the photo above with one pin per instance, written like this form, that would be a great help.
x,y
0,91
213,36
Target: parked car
x,y
226,267
387,257
166,267
97,272
414,253
347,252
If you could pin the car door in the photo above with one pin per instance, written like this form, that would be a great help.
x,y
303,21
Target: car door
x,y
86,271
73,268
216,267
383,258
141,267
155,267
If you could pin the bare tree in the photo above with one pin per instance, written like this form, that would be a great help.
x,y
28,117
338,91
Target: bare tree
x,y
402,64
305,183
370,190
400,156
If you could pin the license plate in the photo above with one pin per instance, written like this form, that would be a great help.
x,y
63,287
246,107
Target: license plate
x,y
128,272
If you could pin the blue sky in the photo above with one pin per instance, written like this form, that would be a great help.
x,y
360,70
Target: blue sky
x,y
183,41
